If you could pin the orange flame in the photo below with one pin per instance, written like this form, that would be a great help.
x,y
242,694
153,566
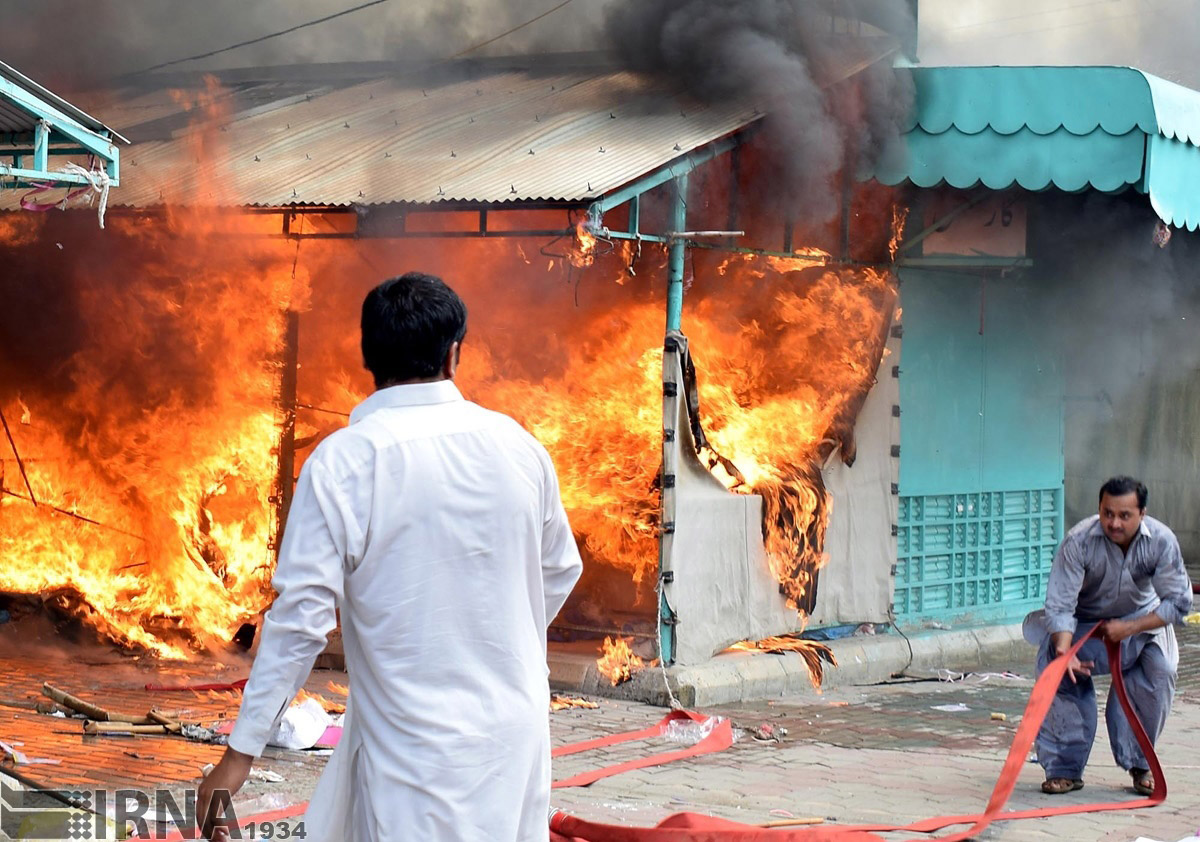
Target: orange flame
x,y
618,663
584,252
164,433
329,706
816,655
899,217
560,702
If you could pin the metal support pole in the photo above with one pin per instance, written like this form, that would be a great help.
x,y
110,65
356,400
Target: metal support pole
x,y
735,177
676,258
41,146
287,435
677,254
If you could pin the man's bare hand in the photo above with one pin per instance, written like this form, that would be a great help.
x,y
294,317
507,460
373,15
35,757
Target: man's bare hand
x,y
1118,630
228,776
1076,667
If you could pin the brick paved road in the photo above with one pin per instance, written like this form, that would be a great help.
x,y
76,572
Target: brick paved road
x,y
853,755
883,754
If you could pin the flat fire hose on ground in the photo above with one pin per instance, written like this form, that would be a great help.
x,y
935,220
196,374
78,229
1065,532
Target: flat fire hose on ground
x,y
690,827
719,739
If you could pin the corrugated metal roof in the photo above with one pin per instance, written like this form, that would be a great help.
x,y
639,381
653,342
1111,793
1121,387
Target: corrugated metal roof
x,y
1105,128
15,120
512,136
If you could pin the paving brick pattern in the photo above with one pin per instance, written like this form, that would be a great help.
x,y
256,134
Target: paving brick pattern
x,y
852,755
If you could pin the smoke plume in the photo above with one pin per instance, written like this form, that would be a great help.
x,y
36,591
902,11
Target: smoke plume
x,y
1127,311
789,59
95,42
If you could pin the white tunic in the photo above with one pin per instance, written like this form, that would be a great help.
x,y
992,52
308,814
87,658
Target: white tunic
x,y
436,527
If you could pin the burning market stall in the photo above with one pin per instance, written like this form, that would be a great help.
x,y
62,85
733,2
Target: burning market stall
x,y
189,358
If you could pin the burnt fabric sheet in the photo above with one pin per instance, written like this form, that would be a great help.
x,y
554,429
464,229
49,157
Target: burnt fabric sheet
x,y
722,590
855,586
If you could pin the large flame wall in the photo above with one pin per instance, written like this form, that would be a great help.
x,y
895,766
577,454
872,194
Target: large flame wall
x,y
140,370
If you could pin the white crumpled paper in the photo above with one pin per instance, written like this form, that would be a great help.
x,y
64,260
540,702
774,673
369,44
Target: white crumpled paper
x,y
301,726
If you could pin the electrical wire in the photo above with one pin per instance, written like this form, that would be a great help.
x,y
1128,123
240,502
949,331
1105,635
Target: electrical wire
x,y
900,672
358,8
517,28
261,38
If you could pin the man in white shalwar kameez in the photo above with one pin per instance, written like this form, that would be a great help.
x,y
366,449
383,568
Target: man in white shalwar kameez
x,y
436,527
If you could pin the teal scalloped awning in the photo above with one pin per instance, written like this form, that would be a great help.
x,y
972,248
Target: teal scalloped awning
x,y
1074,128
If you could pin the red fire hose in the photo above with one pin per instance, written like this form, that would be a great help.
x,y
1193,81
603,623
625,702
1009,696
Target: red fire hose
x,y
690,827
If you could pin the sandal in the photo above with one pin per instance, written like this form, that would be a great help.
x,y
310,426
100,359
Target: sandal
x,y
1143,781
1058,786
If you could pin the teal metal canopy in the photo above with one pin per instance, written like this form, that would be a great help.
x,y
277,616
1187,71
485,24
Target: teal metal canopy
x,y
1074,128
37,125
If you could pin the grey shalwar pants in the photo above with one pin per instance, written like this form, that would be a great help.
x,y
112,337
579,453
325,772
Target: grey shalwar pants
x,y
1066,736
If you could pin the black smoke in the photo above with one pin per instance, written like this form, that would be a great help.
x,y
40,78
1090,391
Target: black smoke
x,y
806,63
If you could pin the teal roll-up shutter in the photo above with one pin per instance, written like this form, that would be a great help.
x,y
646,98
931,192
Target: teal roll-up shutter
x,y
981,455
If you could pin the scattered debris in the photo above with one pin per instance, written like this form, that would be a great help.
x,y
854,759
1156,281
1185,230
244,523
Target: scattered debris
x,y
240,684
690,731
265,776
767,733
795,822
302,726
19,758
955,708
88,709
122,729
980,677
1000,717
559,701
200,734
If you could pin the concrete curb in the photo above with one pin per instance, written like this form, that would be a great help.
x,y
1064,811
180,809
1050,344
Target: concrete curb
x,y
734,677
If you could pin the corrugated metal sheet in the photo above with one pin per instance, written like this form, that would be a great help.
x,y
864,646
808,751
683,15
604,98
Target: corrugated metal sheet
x,y
1105,128
14,120
512,136
19,79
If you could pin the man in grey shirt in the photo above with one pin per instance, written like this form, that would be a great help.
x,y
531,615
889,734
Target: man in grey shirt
x,y
1124,569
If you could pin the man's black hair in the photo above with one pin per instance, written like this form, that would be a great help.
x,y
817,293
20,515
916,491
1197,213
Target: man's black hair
x,y
1120,486
408,326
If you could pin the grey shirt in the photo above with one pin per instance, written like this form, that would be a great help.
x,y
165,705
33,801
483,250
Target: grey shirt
x,y
1091,579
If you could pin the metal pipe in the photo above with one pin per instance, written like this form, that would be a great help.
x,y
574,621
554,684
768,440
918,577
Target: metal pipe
x,y
688,235
599,630
20,464
677,254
